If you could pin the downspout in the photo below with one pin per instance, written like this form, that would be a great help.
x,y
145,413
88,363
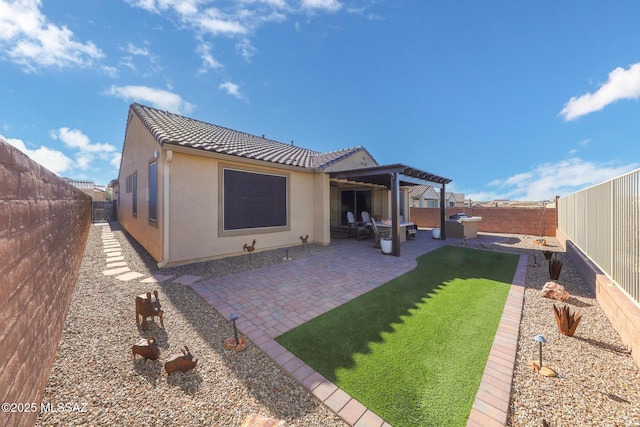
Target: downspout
x,y
165,210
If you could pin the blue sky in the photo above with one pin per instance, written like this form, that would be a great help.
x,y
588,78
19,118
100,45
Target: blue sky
x,y
510,100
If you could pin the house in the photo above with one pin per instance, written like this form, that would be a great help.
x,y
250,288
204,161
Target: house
x,y
424,196
98,193
190,191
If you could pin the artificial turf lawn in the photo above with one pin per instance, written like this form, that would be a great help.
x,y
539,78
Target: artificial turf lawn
x,y
414,349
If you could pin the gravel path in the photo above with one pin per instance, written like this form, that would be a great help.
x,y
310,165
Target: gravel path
x,y
598,383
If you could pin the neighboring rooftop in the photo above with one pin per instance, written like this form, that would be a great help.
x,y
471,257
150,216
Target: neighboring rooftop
x,y
82,184
173,129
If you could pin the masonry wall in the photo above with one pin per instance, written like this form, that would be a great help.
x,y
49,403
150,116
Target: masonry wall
x,y
619,308
44,225
534,221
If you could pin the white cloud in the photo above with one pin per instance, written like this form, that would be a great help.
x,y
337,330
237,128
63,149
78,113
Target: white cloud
x,y
28,39
236,19
204,19
246,49
231,89
327,5
73,138
158,98
208,61
213,21
135,50
115,160
87,152
622,84
584,142
546,181
53,160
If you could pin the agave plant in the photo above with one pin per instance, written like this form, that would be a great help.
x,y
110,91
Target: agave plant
x,y
555,267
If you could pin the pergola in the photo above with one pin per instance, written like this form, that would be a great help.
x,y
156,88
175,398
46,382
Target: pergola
x,y
393,177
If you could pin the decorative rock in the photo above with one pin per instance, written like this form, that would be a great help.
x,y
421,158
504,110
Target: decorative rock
x,y
230,343
555,291
256,420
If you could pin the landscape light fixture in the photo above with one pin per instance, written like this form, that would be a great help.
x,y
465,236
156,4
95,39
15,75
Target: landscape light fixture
x,y
233,318
540,339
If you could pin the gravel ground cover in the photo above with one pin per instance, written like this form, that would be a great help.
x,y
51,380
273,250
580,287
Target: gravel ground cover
x,y
94,363
597,385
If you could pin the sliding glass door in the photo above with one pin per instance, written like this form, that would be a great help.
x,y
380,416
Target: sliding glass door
x,y
354,201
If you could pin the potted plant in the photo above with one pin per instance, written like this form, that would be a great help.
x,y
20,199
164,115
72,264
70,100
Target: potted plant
x,y
435,232
386,244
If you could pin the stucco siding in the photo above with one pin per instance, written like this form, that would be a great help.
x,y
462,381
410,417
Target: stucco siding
x,y
138,153
360,159
195,209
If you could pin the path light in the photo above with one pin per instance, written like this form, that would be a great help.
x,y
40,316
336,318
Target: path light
x,y
233,318
286,255
541,341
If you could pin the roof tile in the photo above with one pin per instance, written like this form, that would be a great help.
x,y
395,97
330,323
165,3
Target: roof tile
x,y
173,129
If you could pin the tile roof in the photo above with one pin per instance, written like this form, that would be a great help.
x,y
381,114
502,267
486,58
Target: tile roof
x,y
173,129
82,184
418,190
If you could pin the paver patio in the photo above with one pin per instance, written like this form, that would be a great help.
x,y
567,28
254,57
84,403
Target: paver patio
x,y
277,298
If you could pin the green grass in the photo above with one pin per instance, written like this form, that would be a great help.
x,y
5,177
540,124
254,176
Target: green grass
x,y
414,349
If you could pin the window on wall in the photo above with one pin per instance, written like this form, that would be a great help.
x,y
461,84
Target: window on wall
x,y
153,191
134,189
354,201
253,200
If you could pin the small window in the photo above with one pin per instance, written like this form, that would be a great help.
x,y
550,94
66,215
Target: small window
x,y
153,192
134,185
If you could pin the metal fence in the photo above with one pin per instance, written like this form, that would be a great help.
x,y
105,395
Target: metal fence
x,y
604,222
102,212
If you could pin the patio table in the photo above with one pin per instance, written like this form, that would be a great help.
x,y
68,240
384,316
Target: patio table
x,y
386,226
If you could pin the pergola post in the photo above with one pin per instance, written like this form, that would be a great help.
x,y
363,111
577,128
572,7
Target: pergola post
x,y
443,231
395,214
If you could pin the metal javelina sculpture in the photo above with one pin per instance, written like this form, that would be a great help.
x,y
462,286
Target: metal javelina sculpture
x,y
148,306
180,362
147,348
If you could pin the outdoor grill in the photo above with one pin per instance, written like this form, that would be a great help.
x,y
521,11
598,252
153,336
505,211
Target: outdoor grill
x,y
462,226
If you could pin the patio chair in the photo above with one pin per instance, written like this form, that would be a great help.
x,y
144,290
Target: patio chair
x,y
366,220
357,228
376,234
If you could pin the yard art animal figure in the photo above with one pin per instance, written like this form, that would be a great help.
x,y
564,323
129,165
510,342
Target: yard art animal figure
x,y
180,362
304,239
148,306
250,248
147,348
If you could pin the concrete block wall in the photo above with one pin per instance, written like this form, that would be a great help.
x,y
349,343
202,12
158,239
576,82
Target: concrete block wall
x,y
44,225
619,308
496,220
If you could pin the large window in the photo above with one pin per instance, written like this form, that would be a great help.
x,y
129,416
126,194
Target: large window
x,y
153,191
253,200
